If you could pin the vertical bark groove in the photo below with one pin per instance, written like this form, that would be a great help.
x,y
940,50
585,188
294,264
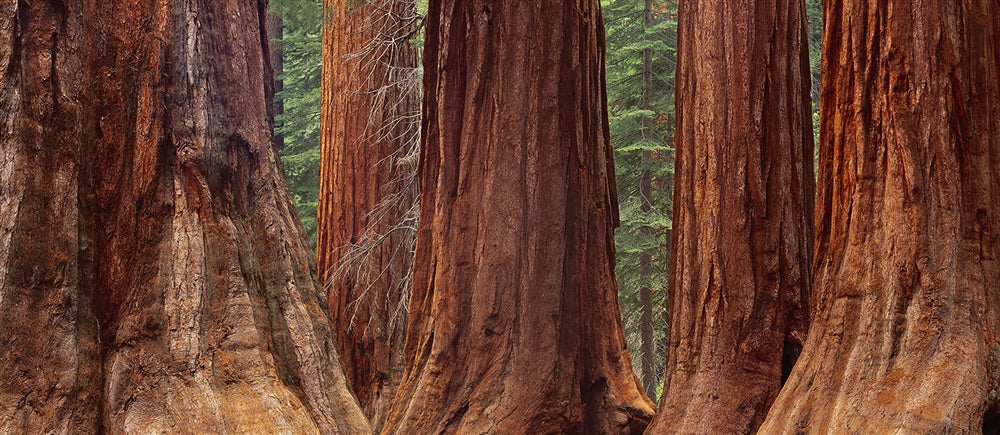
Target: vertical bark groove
x,y
49,357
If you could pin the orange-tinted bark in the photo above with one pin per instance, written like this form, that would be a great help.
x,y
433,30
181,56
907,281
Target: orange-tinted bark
x,y
514,321
739,281
153,277
905,326
365,232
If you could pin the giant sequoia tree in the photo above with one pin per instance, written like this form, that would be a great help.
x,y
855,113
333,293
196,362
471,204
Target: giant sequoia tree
x,y
514,322
739,280
365,234
153,277
906,309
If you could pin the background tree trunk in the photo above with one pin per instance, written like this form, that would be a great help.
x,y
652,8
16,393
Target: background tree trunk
x,y
739,277
275,33
646,329
514,321
152,261
646,197
905,330
367,213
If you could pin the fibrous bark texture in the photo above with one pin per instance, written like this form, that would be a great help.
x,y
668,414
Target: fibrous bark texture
x,y
904,336
739,281
153,277
368,188
514,320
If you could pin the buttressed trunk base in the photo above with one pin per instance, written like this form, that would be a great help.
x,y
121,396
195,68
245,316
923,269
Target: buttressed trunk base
x,y
739,280
150,259
514,325
906,317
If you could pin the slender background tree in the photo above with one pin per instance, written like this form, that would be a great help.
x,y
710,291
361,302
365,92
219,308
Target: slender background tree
x,y
368,190
814,13
299,98
642,40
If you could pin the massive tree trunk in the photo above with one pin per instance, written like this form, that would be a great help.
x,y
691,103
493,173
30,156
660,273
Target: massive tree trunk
x,y
368,189
50,357
514,321
905,331
152,277
739,280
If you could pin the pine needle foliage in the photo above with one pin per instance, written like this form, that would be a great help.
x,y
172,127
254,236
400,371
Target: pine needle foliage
x,y
641,109
301,47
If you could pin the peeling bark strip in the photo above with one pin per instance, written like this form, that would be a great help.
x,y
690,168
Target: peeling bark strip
x,y
739,281
365,232
906,311
152,275
514,325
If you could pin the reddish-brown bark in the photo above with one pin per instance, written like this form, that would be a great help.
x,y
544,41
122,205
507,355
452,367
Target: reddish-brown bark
x,y
514,321
739,281
906,321
153,277
50,370
365,231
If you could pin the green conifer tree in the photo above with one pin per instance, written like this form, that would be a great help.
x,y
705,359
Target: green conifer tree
x,y
642,39
298,124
